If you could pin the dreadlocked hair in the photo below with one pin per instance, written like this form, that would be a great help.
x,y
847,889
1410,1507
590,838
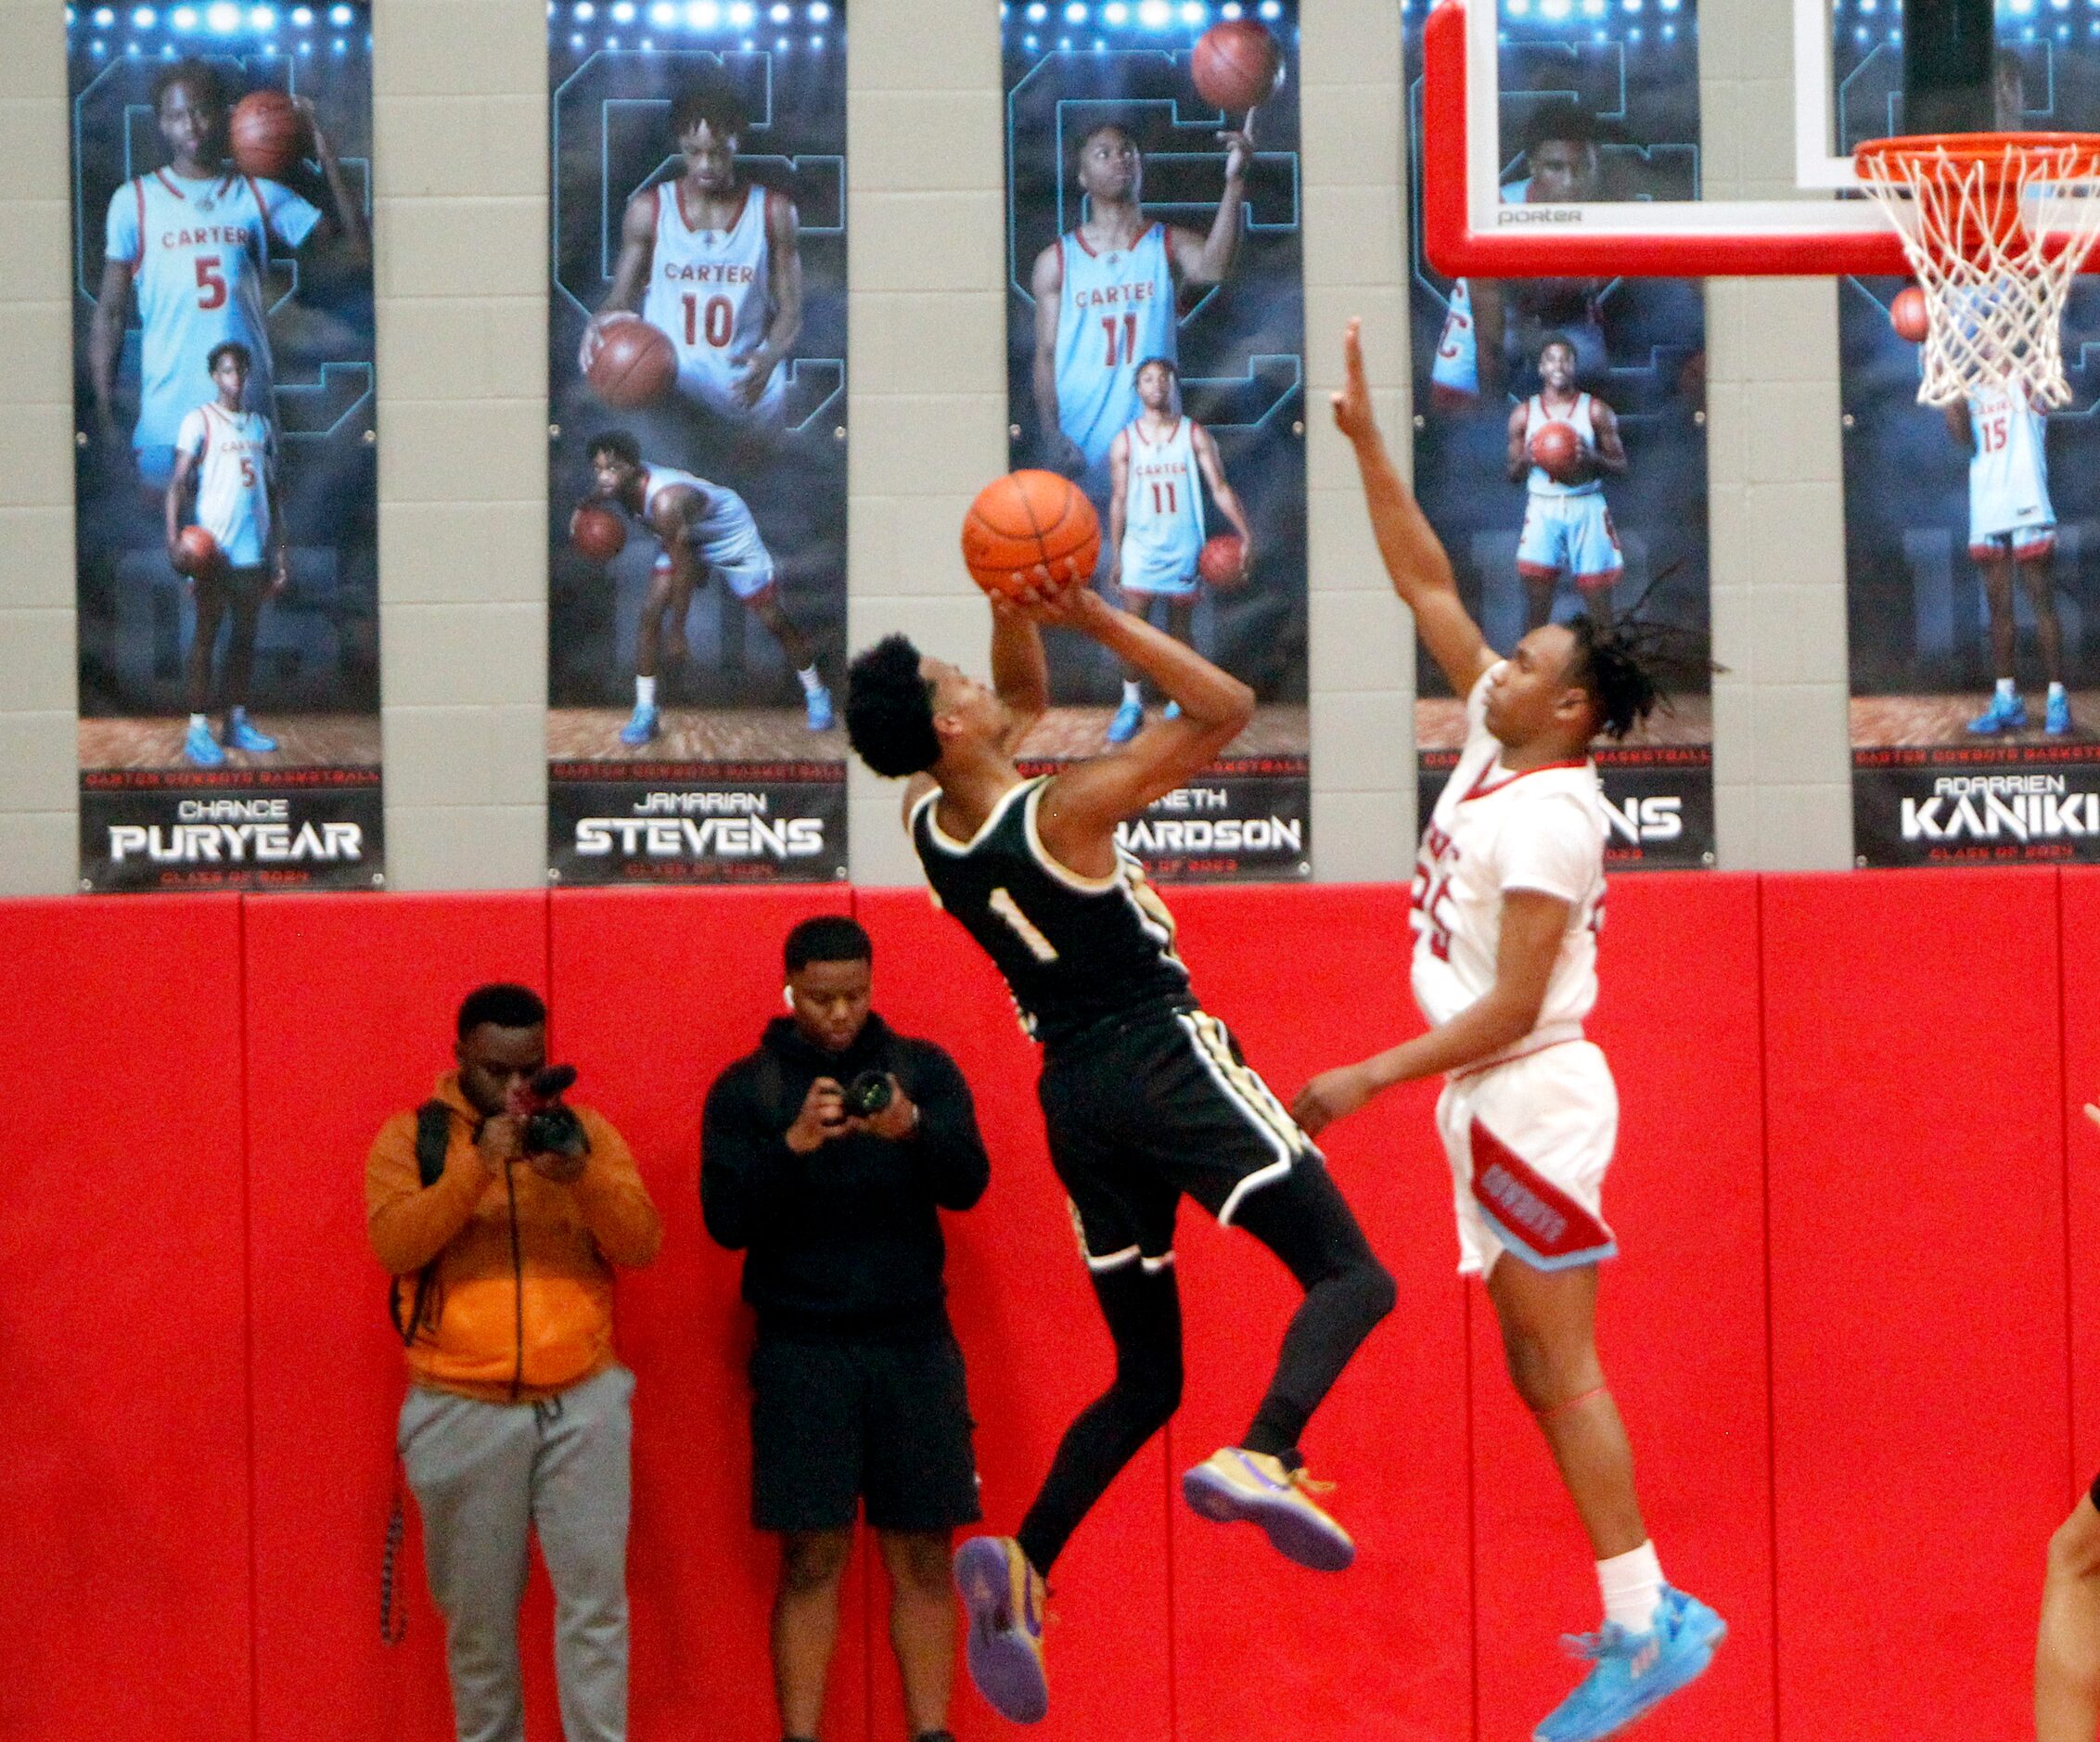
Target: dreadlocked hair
x,y
889,709
1626,663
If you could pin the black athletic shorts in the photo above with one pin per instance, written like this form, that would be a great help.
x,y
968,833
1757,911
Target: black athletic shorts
x,y
1141,1112
837,1420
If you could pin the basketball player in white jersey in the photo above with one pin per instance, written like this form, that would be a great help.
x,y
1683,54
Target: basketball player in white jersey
x,y
713,259
1492,327
1507,900
229,454
1104,295
1156,469
2013,529
1568,527
701,527
193,239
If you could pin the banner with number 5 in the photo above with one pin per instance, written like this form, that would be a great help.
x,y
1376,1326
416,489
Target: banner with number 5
x,y
227,477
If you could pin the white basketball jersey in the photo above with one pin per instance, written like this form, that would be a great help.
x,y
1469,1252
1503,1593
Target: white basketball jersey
x,y
712,291
200,254
1118,312
237,452
727,536
1536,418
1163,507
2008,465
1493,832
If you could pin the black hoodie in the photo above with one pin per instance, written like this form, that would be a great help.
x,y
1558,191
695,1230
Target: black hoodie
x,y
844,1241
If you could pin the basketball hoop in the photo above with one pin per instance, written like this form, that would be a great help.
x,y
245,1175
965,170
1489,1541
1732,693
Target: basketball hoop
x,y
1995,226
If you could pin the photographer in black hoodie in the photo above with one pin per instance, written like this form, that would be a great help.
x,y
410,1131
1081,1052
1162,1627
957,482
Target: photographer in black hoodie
x,y
856,1381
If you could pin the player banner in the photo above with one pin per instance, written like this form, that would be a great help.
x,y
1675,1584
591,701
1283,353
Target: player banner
x,y
1156,339
1972,667
697,463
1561,424
226,476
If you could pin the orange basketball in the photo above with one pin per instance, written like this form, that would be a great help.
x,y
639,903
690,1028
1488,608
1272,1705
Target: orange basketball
x,y
1557,451
1223,562
635,365
196,552
266,134
597,532
1236,64
1027,520
1907,315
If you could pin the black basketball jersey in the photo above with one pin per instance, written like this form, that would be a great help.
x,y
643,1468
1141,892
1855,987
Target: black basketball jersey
x,y
1074,949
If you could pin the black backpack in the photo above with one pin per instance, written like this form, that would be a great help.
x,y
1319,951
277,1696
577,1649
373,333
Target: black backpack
x,y
433,1135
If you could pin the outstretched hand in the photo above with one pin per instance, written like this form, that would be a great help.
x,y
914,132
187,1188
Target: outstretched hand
x,y
1355,415
1043,599
1239,148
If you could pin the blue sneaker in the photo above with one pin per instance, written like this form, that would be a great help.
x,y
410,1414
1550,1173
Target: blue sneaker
x,y
819,701
1239,1487
2059,719
642,727
1123,727
241,734
2001,716
201,748
1002,1596
1634,1672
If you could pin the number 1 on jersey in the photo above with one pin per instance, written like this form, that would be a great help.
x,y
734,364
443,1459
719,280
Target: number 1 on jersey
x,y
1126,327
1003,903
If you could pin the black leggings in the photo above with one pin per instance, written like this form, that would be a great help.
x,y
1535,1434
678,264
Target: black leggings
x,y
238,596
1304,1221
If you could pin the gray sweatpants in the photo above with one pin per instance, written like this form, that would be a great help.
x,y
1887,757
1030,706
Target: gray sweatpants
x,y
484,1474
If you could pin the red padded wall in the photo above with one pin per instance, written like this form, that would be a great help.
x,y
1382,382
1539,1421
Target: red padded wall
x,y
1915,1155
1266,1651
124,1521
351,1004
2079,894
1036,1352
1681,1326
654,993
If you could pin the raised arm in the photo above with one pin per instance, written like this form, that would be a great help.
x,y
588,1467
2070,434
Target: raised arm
x,y
350,212
1082,807
1412,555
1021,676
1204,260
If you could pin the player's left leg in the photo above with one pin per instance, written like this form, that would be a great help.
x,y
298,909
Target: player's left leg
x,y
198,745
1130,712
1595,554
2067,1654
245,589
645,722
1181,625
2006,712
764,604
1655,1640
2034,561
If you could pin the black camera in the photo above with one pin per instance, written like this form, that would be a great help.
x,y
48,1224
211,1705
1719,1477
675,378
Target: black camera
x,y
869,1094
551,1128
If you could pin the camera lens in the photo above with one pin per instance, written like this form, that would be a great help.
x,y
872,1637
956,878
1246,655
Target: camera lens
x,y
869,1094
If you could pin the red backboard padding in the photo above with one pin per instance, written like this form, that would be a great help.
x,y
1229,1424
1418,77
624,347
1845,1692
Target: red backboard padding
x,y
1036,1352
1862,1088
351,1008
1915,1153
1681,1326
654,993
123,1449
1266,1651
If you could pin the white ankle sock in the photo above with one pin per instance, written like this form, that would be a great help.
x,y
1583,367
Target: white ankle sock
x,y
1134,695
199,723
812,683
1631,1585
2007,690
2055,692
645,692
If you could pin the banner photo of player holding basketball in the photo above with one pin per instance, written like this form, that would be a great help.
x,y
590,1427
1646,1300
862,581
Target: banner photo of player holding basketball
x,y
696,489
226,476
1561,424
1156,329
1974,635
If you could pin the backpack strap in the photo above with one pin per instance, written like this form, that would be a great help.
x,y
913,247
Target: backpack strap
x,y
433,1136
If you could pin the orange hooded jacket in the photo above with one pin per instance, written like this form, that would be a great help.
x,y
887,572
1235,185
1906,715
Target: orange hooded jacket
x,y
521,1301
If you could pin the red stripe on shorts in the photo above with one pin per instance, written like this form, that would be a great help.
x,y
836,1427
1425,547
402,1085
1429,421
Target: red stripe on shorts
x,y
1523,1200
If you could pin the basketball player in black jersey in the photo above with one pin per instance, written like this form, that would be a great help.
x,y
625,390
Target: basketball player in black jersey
x,y
1146,1097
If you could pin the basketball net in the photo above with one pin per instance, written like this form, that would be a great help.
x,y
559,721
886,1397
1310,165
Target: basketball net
x,y
1996,228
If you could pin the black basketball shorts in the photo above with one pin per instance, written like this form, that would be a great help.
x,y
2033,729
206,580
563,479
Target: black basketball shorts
x,y
1142,1112
839,1420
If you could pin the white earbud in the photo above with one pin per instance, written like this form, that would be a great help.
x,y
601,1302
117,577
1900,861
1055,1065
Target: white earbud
x,y
787,996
